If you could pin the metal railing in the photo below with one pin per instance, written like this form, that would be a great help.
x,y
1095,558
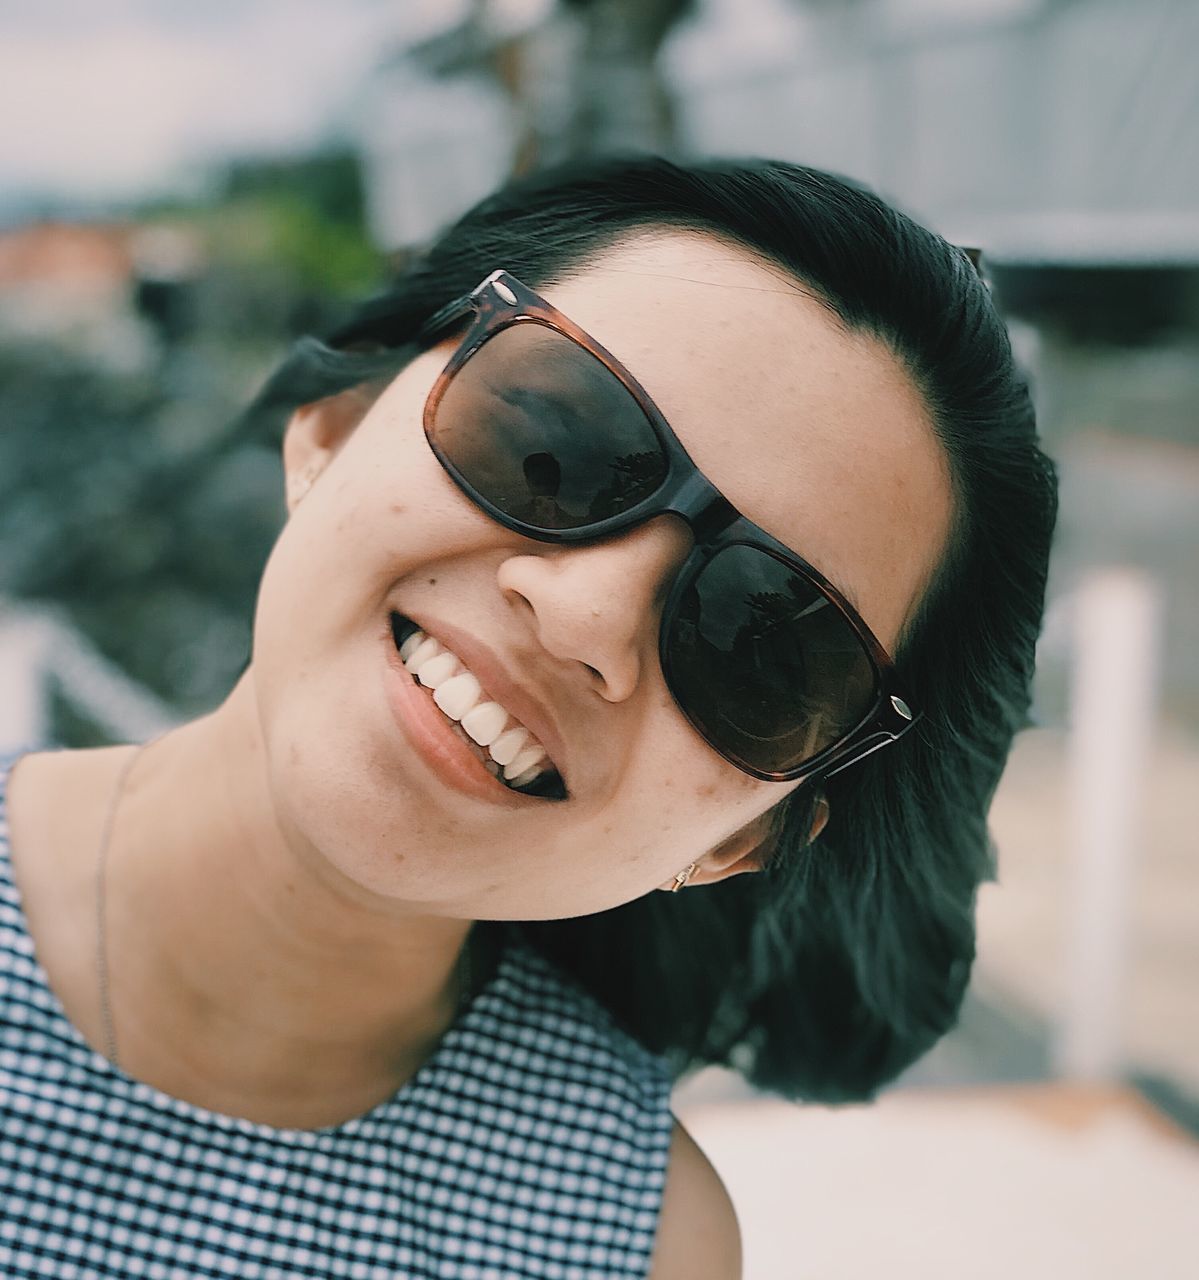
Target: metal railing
x,y
41,650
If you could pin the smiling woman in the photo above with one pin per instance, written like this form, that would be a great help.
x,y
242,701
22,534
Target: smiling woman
x,y
661,528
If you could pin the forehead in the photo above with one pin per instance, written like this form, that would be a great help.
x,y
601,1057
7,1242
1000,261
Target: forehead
x,y
815,433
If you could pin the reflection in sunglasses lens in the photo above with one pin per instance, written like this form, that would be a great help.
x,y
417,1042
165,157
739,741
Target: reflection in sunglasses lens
x,y
764,664
545,433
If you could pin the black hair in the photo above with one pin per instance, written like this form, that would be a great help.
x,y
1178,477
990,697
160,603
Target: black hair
x,y
841,962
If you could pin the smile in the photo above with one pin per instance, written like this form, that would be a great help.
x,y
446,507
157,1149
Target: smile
x,y
505,747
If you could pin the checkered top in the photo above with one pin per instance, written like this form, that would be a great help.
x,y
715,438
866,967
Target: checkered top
x,y
533,1143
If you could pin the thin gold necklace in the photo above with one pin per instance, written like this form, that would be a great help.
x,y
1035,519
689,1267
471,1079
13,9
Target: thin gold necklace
x,y
107,1022
107,1025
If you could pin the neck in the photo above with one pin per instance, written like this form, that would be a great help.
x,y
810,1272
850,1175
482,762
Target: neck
x,y
247,974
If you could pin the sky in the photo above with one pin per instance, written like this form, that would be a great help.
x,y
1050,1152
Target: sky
x,y
109,100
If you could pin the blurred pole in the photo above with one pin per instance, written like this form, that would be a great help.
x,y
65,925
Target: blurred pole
x,y
1117,637
24,709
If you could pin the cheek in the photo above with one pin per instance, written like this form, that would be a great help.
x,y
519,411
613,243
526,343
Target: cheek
x,y
387,505
399,464
683,799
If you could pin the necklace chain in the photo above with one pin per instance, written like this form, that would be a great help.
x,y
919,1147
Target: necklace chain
x,y
107,1022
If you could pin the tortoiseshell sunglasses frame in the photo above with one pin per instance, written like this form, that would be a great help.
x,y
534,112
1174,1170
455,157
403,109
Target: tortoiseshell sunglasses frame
x,y
501,301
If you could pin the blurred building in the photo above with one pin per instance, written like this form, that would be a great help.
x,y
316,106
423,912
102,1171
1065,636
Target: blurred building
x,y
106,291
1060,135
1050,130
71,284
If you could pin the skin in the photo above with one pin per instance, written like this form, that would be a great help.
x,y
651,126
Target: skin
x,y
289,888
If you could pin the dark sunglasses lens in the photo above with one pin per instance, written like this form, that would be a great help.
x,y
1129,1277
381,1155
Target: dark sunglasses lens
x,y
542,430
765,665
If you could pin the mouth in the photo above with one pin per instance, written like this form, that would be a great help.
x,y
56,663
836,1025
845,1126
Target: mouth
x,y
506,748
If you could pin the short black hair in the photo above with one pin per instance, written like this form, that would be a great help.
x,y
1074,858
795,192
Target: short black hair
x,y
829,972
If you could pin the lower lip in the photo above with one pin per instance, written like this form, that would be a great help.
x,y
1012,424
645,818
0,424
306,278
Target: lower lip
x,y
426,728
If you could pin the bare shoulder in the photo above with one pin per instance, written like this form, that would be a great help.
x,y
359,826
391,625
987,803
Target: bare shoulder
x,y
42,828
698,1236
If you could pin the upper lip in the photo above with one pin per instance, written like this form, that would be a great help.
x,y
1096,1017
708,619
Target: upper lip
x,y
504,688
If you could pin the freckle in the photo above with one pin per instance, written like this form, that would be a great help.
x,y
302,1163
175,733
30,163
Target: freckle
x,y
607,831
708,789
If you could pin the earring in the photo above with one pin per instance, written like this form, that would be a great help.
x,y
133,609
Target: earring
x,y
820,816
299,485
681,879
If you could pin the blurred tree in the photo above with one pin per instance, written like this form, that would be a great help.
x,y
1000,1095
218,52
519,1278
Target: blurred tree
x,y
582,77
115,507
131,494
620,99
330,182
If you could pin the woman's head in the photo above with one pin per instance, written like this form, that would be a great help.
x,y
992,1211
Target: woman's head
x,y
840,374
814,433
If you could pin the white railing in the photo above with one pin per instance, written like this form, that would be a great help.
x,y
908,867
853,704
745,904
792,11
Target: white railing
x,y
40,649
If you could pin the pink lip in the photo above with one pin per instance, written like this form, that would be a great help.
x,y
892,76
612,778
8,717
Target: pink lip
x,y
493,676
427,730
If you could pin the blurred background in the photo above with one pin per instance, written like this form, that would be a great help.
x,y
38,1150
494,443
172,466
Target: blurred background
x,y
184,188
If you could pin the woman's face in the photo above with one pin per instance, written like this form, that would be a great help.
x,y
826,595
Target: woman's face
x,y
816,434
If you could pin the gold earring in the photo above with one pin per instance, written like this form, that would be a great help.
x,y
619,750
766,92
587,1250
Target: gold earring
x,y
681,879
820,816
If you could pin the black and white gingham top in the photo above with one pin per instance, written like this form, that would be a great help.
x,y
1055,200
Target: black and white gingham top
x,y
533,1143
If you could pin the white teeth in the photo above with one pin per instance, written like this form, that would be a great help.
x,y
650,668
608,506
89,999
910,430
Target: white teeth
x,y
531,755
508,745
485,722
438,670
428,648
457,695
410,646
522,779
514,752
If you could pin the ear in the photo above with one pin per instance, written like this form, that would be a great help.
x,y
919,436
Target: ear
x,y
734,856
741,852
315,433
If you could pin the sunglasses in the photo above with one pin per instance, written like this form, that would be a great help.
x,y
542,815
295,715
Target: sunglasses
x,y
549,434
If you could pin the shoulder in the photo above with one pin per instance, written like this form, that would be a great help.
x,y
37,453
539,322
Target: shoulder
x,y
698,1236
42,831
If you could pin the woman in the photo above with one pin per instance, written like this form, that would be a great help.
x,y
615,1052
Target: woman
x,y
658,517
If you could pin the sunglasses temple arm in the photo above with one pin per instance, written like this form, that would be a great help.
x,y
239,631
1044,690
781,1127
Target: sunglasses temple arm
x,y
445,318
875,742
883,740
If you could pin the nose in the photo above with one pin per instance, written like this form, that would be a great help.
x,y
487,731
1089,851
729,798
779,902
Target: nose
x,y
599,605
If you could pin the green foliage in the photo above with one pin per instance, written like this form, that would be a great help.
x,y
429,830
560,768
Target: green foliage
x,y
283,235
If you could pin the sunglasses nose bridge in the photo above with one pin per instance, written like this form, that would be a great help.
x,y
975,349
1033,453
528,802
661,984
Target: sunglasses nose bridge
x,y
697,501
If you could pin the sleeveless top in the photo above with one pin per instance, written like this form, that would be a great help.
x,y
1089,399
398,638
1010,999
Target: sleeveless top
x,y
532,1143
